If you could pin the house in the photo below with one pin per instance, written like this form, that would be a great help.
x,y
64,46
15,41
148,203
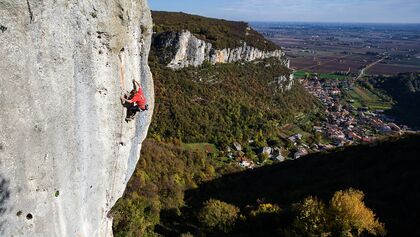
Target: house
x,y
394,127
266,150
276,155
385,129
247,164
354,136
318,129
300,152
295,137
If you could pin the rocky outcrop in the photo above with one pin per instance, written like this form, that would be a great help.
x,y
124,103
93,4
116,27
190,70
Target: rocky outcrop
x,y
284,83
183,49
66,152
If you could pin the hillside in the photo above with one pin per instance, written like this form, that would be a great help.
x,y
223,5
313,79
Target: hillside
x,y
404,89
199,113
221,33
165,171
225,103
388,173
158,198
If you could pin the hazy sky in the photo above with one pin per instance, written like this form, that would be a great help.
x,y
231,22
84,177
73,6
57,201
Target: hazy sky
x,y
398,11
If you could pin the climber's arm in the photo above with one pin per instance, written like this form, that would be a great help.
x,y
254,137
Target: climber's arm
x,y
124,99
137,83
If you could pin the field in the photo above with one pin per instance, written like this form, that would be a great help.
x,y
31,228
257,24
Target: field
x,y
362,97
327,62
206,147
388,69
302,74
329,48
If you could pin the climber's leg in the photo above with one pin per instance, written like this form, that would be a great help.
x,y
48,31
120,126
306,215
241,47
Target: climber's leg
x,y
131,112
134,109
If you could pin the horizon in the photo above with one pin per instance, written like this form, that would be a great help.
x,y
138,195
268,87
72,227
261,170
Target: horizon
x,y
336,22
298,22
299,11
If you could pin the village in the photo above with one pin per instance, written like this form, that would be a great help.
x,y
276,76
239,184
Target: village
x,y
344,125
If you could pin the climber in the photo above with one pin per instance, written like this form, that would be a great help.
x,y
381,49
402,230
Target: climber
x,y
137,97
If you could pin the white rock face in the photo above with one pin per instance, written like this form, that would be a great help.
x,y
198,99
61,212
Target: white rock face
x,y
191,51
285,83
66,152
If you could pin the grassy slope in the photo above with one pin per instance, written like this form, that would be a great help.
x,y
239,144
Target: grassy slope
x,y
221,33
388,173
363,97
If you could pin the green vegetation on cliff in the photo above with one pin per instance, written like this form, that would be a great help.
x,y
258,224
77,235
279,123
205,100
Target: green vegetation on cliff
x,y
221,33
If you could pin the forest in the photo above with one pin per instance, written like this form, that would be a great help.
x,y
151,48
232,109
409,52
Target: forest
x,y
221,33
179,192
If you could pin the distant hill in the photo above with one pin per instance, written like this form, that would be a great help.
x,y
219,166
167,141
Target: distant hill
x,y
404,89
221,33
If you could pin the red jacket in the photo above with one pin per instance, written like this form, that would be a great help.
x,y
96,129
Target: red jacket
x,y
139,99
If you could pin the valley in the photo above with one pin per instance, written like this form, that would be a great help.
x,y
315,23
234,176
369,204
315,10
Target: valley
x,y
246,135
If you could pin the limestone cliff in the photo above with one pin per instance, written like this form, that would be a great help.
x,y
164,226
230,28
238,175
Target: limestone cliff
x,y
183,49
66,152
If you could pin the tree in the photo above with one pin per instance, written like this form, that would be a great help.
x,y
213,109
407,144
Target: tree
x,y
265,209
351,217
311,218
136,216
218,215
346,216
264,216
263,157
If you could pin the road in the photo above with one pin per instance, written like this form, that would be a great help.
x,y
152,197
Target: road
x,y
362,72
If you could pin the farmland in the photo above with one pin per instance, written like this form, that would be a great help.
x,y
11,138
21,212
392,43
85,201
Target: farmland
x,y
301,74
362,97
329,48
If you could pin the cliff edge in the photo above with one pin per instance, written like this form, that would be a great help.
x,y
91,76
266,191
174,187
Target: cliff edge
x,y
66,152
182,40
